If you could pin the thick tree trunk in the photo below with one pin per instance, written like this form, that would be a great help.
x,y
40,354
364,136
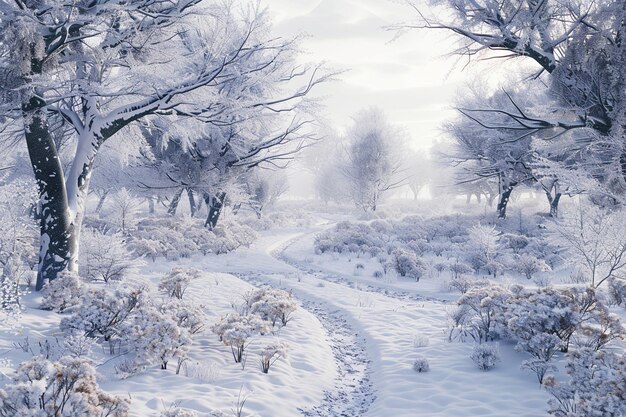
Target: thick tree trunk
x,y
505,196
192,202
214,204
171,210
57,237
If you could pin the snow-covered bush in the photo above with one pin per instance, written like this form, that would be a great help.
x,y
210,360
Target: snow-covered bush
x,y
539,367
421,365
595,240
102,312
595,386
67,388
176,237
78,345
479,309
617,291
188,315
545,320
155,338
529,265
514,241
483,248
235,330
271,353
105,256
458,269
485,356
230,235
175,283
62,292
149,248
407,264
272,305
461,284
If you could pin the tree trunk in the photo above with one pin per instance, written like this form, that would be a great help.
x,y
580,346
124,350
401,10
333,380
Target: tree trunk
x,y
171,210
57,238
505,196
214,204
192,202
101,200
554,203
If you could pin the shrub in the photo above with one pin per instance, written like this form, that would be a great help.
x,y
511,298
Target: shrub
x,y
273,305
175,283
481,306
188,316
458,269
104,256
595,386
529,265
271,353
235,330
617,291
155,338
421,365
407,264
485,356
67,388
539,367
102,312
147,248
62,292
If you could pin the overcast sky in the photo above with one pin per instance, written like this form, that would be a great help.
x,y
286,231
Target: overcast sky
x,y
409,78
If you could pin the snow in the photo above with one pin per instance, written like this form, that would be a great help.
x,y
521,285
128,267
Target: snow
x,y
351,343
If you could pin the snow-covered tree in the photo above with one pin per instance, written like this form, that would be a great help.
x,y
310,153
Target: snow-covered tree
x,y
579,58
101,68
374,158
595,240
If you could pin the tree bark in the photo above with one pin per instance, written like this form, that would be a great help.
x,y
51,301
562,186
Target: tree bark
x,y
171,210
57,237
214,203
192,202
505,196
554,203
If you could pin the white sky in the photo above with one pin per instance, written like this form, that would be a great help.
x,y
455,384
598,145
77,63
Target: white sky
x,y
410,78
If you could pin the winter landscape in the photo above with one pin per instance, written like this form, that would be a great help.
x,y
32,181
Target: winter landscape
x,y
336,208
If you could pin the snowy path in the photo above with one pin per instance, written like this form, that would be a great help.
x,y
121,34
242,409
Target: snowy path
x,y
353,392
375,330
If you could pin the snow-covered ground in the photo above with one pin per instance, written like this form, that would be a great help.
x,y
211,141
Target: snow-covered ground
x,y
352,342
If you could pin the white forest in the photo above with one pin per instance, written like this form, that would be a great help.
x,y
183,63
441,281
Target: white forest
x,y
335,208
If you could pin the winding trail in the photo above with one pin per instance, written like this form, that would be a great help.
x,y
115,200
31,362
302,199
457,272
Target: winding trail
x,y
353,392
